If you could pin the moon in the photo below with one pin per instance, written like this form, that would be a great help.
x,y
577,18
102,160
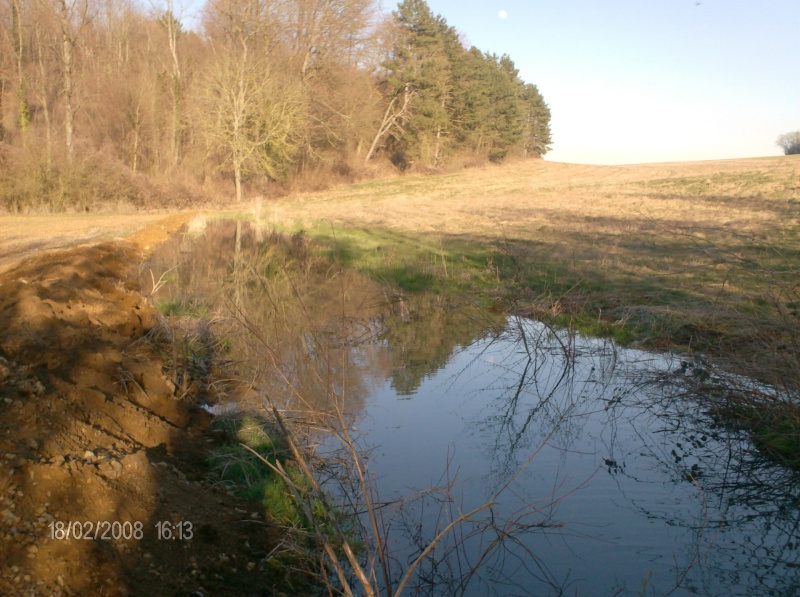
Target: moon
x,y
502,14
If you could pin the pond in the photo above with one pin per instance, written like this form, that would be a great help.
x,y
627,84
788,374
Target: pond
x,y
616,481
579,467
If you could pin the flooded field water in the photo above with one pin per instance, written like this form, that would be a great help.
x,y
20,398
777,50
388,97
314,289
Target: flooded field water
x,y
592,469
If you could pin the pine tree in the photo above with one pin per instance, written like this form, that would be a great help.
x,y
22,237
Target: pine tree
x,y
419,63
487,108
443,99
504,126
535,115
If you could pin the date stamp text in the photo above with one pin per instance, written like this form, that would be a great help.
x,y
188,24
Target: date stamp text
x,y
107,530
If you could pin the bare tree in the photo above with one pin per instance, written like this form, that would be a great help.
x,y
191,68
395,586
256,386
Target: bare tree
x,y
251,116
6,45
23,113
790,143
319,32
46,88
397,112
74,17
327,43
131,68
171,21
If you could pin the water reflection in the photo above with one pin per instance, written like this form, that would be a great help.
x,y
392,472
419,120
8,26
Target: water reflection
x,y
423,333
752,505
619,478
287,315
654,494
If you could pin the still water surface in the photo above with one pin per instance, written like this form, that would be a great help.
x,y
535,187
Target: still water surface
x,y
654,497
605,467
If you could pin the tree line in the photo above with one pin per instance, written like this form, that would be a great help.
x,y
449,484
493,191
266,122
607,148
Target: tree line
x,y
265,90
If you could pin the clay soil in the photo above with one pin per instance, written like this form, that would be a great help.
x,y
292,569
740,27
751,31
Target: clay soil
x,y
92,436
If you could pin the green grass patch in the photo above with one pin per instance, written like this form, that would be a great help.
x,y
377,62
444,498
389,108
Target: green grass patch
x,y
237,466
774,427
622,333
409,263
240,464
251,478
184,306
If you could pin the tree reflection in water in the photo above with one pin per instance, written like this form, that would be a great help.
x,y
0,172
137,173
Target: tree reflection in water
x,y
620,446
649,420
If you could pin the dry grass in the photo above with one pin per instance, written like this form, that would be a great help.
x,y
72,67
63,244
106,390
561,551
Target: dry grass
x,y
524,199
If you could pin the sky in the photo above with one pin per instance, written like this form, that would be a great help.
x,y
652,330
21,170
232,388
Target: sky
x,y
632,81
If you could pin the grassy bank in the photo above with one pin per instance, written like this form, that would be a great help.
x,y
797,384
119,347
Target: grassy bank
x,y
698,257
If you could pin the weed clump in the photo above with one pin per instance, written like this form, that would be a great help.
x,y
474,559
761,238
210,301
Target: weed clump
x,y
774,427
240,461
256,463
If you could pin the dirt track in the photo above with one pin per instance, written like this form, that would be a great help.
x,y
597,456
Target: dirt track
x,y
91,433
22,237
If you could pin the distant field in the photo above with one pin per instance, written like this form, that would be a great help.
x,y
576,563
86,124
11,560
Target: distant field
x,y
523,200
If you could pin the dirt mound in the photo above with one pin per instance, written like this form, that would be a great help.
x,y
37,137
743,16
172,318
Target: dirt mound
x,y
96,451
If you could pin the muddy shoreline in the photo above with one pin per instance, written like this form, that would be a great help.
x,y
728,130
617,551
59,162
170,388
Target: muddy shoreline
x,y
97,442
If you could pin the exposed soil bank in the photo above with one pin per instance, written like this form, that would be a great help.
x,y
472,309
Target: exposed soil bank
x,y
91,433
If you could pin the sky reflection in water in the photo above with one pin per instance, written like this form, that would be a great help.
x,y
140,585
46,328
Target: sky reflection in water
x,y
650,490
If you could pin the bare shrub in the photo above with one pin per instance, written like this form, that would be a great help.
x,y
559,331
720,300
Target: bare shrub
x,y
95,181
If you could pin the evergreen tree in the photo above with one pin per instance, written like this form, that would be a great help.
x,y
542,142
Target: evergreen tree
x,y
419,62
533,113
487,105
504,126
442,98
535,122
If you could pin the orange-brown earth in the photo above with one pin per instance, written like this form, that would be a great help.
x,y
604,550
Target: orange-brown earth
x,y
93,434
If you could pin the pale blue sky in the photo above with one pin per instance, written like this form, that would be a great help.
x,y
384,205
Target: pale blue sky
x,y
631,81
